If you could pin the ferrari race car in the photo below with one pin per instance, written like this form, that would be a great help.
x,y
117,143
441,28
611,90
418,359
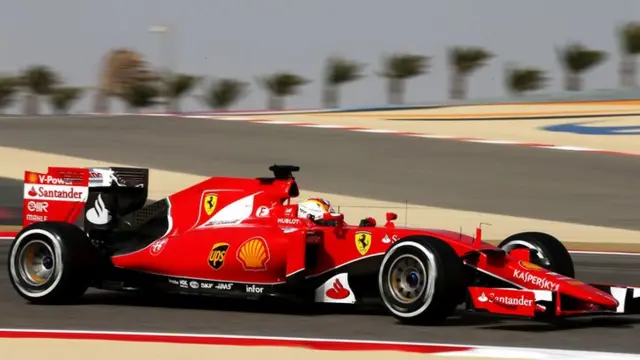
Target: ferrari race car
x,y
93,227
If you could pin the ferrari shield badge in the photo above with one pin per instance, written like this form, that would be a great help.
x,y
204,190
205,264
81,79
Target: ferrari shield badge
x,y
363,241
209,203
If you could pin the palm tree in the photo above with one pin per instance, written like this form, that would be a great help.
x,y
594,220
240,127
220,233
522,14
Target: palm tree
x,y
338,71
576,59
62,98
629,35
8,88
397,68
140,95
119,69
279,85
519,80
176,87
223,93
463,62
38,80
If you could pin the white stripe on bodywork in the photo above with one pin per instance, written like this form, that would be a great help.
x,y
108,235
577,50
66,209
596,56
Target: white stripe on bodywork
x,y
232,214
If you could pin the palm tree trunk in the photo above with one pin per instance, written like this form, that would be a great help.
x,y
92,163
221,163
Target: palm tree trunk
x,y
173,106
514,92
458,86
275,102
330,97
31,104
395,91
573,82
128,108
628,71
101,104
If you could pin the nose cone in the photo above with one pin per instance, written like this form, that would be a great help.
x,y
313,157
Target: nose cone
x,y
605,299
590,294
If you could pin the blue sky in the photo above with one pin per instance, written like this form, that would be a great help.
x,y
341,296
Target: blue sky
x,y
247,38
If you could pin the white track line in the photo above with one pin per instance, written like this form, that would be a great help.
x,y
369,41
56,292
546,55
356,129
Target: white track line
x,y
464,350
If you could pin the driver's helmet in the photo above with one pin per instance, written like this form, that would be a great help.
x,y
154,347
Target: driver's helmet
x,y
315,208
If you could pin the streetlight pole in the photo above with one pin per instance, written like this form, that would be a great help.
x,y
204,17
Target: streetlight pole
x,y
165,33
165,48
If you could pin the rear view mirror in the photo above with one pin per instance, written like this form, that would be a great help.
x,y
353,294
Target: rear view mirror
x,y
333,217
339,219
390,217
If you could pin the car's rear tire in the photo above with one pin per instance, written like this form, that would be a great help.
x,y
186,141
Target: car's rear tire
x,y
51,263
436,270
546,251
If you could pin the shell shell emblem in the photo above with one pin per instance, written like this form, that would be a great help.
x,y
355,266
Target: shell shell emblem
x,y
529,266
253,254
32,178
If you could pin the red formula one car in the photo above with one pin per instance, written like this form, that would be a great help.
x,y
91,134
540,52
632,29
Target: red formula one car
x,y
242,237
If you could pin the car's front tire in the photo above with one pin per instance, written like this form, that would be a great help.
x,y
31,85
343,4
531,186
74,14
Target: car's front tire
x,y
421,280
51,262
546,251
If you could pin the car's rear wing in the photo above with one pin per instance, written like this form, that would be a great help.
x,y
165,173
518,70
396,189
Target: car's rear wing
x,y
57,195
61,194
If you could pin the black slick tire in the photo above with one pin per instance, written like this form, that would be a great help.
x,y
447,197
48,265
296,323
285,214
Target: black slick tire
x,y
443,285
73,261
545,246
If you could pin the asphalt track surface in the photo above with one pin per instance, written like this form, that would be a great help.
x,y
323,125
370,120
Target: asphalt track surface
x,y
10,201
124,312
573,187
595,189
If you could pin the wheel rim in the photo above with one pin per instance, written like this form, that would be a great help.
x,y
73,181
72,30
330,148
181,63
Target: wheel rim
x,y
36,263
539,257
407,279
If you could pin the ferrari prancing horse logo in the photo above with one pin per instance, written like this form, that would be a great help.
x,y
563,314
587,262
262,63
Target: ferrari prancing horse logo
x,y
363,241
210,202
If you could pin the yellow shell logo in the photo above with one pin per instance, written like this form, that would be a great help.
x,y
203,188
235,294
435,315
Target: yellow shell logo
x,y
32,178
529,266
254,254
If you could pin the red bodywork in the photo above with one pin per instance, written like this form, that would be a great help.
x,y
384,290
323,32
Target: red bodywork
x,y
246,231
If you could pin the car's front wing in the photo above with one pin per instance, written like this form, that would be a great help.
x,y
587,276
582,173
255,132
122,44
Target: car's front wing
x,y
545,304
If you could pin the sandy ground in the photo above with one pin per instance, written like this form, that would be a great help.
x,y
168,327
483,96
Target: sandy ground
x,y
165,182
509,129
517,110
108,350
